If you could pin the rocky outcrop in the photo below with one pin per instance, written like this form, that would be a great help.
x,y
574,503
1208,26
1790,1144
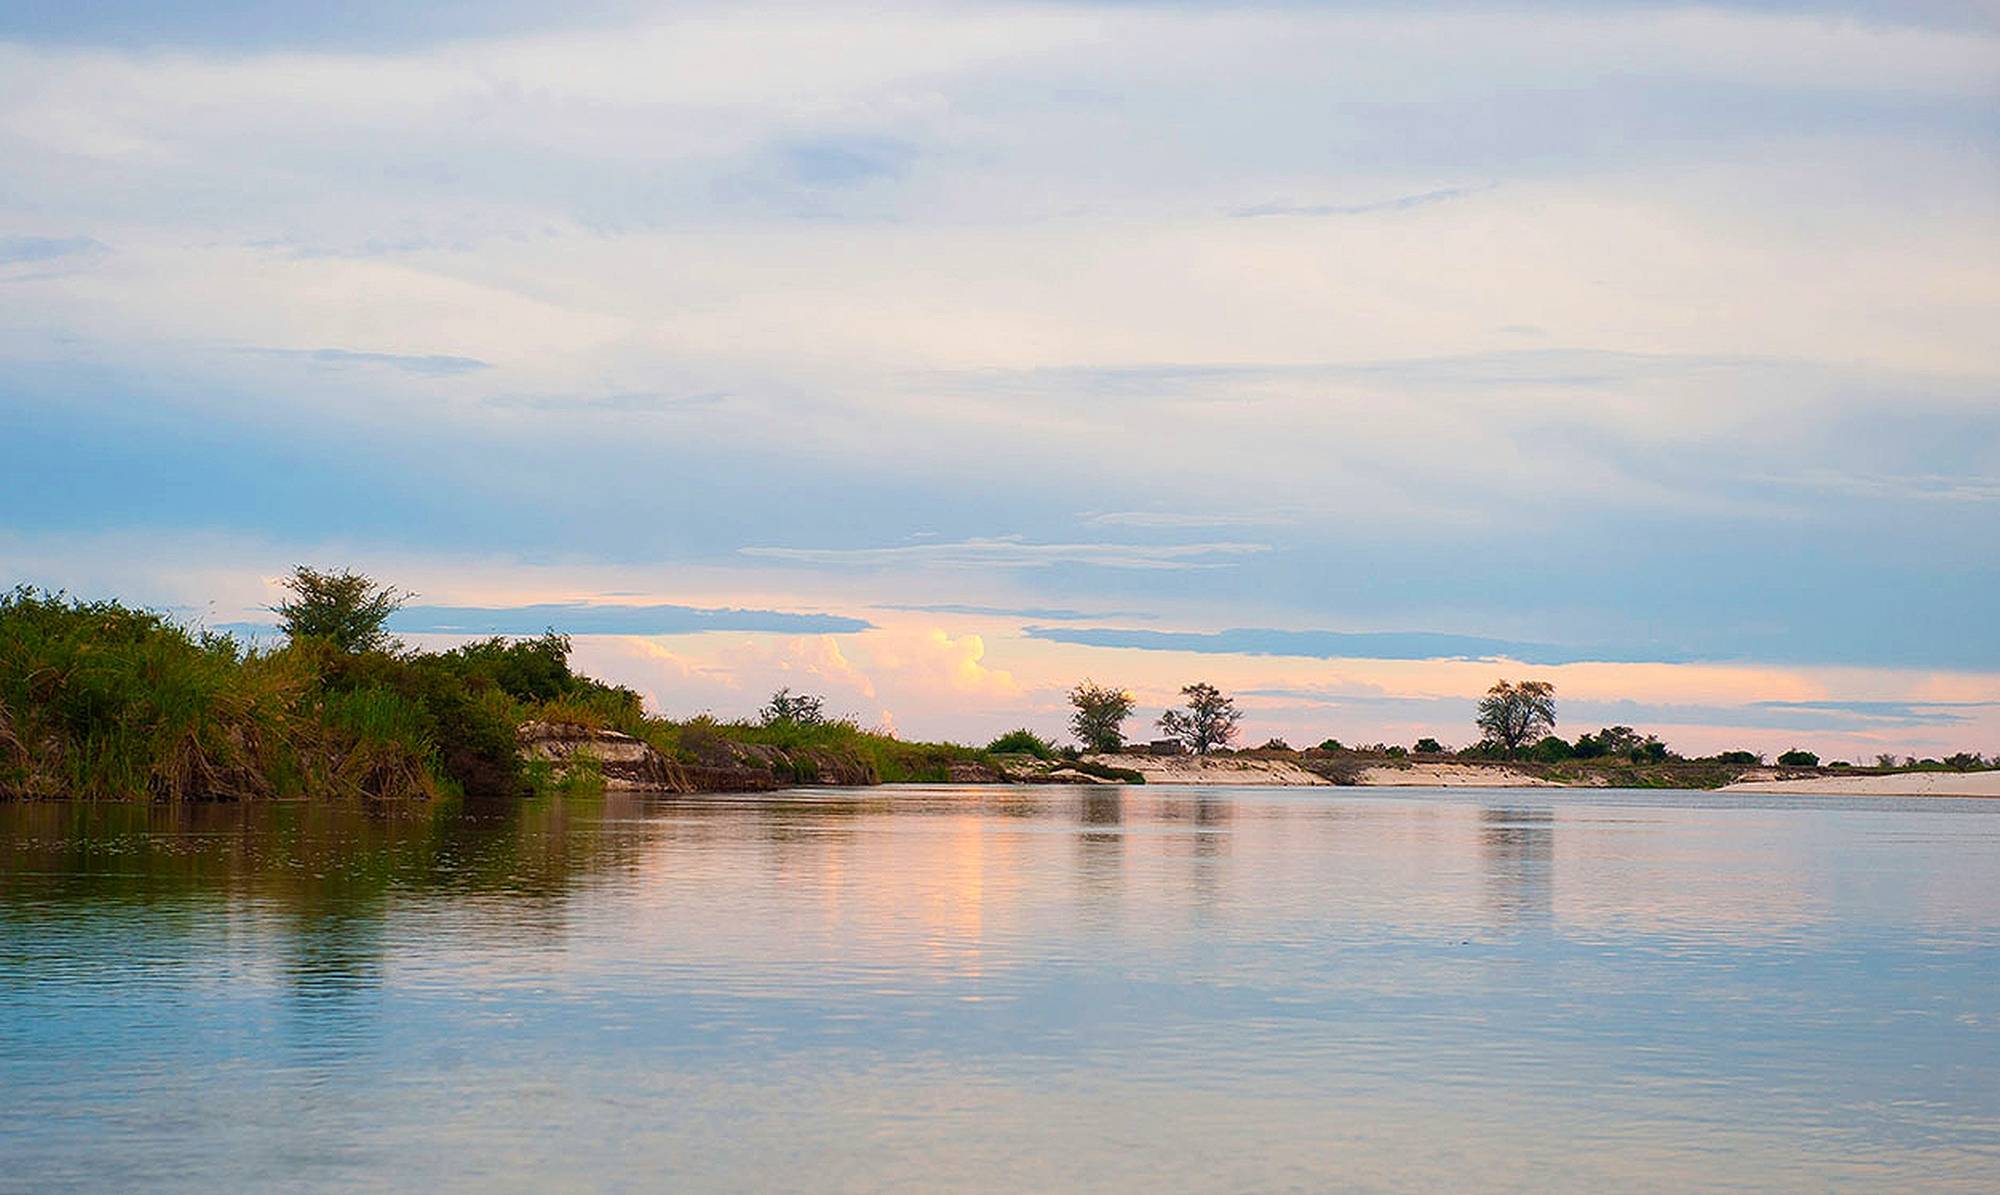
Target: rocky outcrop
x,y
800,766
720,765
628,765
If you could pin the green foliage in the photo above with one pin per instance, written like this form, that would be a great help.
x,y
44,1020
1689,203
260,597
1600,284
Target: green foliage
x,y
1738,757
1107,772
1210,720
1099,720
1552,750
1022,742
347,609
1796,758
1331,745
1428,746
98,700
798,709
1513,715
1396,752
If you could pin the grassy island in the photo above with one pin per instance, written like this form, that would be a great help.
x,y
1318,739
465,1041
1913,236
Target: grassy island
x,y
102,701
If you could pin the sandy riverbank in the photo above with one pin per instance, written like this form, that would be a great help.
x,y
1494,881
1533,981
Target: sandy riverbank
x,y
1451,775
1212,769
1236,769
1902,784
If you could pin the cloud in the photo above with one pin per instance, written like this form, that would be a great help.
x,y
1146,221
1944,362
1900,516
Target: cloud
x,y
1367,645
631,403
600,618
1890,713
1400,203
578,618
1044,613
1016,553
20,250
425,364
1579,715
1167,518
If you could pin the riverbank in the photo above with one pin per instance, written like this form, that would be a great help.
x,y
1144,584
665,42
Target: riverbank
x,y
1265,770
1894,784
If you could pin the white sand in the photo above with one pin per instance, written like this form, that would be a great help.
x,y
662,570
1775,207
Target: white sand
x,y
1452,775
1232,769
1212,769
1903,784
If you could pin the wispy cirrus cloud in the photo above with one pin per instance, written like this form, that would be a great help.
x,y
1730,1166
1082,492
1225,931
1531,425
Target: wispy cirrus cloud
x,y
1399,203
425,364
604,618
1015,553
1043,613
20,250
626,403
1364,645
1189,519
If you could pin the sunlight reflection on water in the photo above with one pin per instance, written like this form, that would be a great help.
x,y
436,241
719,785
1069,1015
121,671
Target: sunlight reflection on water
x,y
985,988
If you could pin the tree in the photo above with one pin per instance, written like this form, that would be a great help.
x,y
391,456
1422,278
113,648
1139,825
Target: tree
x,y
1552,749
1100,716
1210,721
795,709
347,609
1428,746
1885,760
1796,758
1513,715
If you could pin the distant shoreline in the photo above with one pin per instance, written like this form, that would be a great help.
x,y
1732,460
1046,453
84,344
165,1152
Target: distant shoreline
x,y
1306,770
1897,784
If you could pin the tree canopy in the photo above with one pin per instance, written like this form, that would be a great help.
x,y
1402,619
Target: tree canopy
x,y
1100,715
1210,720
347,609
795,709
1513,715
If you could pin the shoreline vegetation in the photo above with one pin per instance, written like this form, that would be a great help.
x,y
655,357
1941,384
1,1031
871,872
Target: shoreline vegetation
x,y
102,701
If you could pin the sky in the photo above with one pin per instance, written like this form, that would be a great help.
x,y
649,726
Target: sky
x,y
1350,356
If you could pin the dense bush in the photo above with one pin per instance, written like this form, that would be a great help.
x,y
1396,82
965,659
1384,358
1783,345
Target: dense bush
x,y
100,700
1796,758
1022,742
1428,746
1552,750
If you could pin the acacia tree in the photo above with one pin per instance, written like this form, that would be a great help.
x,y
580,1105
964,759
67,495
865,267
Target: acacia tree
x,y
1511,716
347,609
1100,715
797,709
1209,722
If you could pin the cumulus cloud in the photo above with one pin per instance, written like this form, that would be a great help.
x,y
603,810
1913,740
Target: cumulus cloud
x,y
1015,553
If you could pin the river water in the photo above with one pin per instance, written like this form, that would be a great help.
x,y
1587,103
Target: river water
x,y
927,989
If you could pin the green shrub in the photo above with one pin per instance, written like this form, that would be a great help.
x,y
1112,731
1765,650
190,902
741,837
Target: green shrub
x,y
1022,742
1796,758
1107,772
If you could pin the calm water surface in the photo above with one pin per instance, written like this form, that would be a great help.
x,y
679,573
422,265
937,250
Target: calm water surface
x,y
1006,989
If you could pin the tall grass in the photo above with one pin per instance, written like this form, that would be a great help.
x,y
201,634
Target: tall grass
x,y
103,701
